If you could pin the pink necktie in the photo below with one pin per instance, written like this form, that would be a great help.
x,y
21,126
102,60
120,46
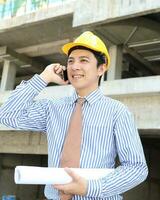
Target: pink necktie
x,y
70,156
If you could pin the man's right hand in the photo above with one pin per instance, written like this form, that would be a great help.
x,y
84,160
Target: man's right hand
x,y
53,73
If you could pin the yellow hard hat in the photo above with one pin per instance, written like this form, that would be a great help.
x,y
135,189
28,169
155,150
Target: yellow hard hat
x,y
91,41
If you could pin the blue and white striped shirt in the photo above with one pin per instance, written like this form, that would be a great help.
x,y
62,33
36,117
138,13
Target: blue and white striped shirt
x,y
108,131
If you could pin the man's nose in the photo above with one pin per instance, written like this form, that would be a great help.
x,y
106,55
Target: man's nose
x,y
76,66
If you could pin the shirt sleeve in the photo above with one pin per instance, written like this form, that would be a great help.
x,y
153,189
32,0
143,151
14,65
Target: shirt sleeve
x,y
132,170
20,111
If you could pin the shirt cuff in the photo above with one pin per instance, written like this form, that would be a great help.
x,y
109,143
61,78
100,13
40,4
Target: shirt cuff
x,y
37,82
94,188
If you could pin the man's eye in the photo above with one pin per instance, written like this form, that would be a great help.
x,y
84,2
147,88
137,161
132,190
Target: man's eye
x,y
70,61
84,60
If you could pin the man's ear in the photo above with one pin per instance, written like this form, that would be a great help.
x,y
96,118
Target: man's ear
x,y
101,69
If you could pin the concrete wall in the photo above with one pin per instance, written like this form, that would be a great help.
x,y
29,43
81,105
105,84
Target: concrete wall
x,y
104,10
63,8
107,10
23,142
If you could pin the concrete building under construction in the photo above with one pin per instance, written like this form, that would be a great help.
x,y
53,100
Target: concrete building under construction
x,y
31,35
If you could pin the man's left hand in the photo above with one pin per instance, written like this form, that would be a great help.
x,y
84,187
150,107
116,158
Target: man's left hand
x,y
78,186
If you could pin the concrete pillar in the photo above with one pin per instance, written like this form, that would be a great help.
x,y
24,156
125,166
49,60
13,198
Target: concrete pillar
x,y
1,158
8,76
115,69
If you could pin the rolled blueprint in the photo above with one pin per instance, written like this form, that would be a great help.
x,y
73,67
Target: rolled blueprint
x,y
49,175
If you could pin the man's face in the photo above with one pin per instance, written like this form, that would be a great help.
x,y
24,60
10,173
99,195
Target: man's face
x,y
82,70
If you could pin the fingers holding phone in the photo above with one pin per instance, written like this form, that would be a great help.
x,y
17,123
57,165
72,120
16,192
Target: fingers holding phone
x,y
58,69
62,72
54,73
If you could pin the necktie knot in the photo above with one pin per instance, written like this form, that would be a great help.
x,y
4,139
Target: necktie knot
x,y
81,100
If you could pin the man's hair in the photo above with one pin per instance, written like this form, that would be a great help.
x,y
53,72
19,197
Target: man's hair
x,y
100,57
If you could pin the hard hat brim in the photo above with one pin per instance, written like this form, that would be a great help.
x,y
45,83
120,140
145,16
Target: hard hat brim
x,y
70,45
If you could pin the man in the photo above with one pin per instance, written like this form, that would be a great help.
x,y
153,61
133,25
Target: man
x,y
108,127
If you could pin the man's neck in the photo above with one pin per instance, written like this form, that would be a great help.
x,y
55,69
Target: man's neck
x,y
86,93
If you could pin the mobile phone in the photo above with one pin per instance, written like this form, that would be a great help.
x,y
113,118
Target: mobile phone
x,y
65,76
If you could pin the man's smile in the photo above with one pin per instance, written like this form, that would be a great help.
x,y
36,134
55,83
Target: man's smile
x,y
77,76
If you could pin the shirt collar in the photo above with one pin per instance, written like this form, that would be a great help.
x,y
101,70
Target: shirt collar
x,y
91,98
